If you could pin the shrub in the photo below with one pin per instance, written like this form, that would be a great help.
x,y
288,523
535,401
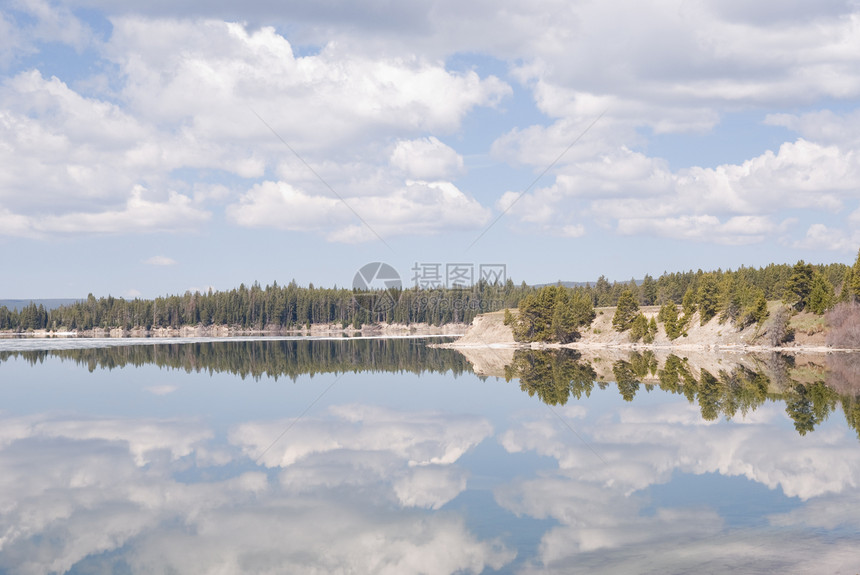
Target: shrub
x,y
844,322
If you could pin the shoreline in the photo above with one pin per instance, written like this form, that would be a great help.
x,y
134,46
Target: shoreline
x,y
716,347
226,332
488,331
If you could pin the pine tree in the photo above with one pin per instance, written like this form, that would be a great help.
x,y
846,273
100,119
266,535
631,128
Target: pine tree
x,y
648,289
625,312
669,316
708,298
820,294
846,293
799,285
652,331
689,302
639,328
563,325
755,310
551,314
602,292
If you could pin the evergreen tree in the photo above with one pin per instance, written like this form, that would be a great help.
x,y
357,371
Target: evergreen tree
x,y
648,289
563,325
652,331
669,316
689,302
602,292
708,298
638,328
625,312
551,314
820,294
643,329
846,293
730,296
799,285
755,309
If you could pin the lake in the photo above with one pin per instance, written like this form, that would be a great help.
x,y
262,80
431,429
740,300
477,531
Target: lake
x,y
292,455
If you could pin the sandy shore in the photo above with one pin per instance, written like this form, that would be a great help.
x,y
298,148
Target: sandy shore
x,y
488,331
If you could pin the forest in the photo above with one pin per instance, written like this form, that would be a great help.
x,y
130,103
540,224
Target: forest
x,y
735,293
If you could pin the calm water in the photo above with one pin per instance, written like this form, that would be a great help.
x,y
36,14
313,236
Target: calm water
x,y
386,456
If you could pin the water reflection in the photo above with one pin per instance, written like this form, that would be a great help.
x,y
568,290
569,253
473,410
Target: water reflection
x,y
672,488
273,358
810,393
109,499
703,465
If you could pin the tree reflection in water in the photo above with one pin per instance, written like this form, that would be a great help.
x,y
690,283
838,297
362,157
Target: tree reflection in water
x,y
809,395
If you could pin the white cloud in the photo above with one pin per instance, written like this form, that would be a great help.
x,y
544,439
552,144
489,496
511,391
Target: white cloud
x,y
56,23
74,165
98,493
415,208
419,438
733,204
62,149
820,237
823,126
365,113
430,486
141,437
353,97
11,41
160,261
644,447
72,159
739,230
426,159
161,389
573,231
600,505
279,205
25,23
138,215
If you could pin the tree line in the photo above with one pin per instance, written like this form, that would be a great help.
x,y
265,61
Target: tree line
x,y
282,307
739,296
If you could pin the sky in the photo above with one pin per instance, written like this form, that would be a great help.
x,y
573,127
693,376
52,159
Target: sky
x,y
154,148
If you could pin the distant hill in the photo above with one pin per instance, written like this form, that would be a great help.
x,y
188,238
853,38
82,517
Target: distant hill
x,y
18,304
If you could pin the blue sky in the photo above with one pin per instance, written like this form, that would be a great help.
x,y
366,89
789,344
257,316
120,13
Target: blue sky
x,y
183,145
